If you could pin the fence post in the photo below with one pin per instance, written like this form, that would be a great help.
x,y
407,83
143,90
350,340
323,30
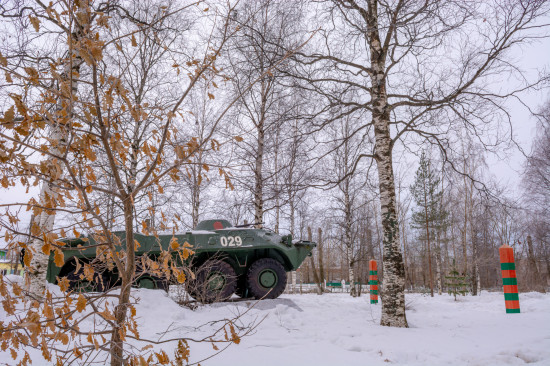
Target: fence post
x,y
509,279
373,281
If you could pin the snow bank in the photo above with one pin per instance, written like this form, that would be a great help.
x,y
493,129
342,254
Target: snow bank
x,y
336,329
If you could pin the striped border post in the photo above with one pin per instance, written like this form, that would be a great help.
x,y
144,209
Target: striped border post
x,y
509,280
373,281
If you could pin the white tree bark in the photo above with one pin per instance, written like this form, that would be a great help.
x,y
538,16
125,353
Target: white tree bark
x,y
37,272
258,169
196,191
393,283
35,275
351,274
347,236
438,270
292,230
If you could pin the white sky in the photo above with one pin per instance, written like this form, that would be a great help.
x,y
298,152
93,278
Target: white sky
x,y
507,169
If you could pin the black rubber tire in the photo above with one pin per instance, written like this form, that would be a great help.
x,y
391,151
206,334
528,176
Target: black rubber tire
x,y
77,284
261,273
147,280
157,282
207,288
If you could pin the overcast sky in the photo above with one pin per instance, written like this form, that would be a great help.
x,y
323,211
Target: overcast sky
x,y
532,58
507,168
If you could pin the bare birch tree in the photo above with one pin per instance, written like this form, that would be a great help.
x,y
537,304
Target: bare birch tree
x,y
268,28
413,67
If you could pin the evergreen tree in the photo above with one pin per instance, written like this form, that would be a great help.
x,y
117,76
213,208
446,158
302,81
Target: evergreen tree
x,y
456,283
429,216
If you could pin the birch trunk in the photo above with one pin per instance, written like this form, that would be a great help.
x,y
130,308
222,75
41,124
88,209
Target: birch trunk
x,y
196,192
351,273
405,264
446,252
320,245
35,275
473,237
380,240
428,241
438,270
258,189
475,269
292,231
258,170
277,192
465,231
393,282
478,280
347,236
393,285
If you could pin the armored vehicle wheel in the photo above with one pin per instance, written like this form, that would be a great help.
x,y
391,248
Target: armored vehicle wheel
x,y
151,282
215,280
77,284
266,279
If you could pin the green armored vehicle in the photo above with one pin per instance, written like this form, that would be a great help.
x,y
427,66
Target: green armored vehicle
x,y
227,259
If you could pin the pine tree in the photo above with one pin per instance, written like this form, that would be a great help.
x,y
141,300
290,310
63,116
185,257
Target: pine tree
x,y
456,283
430,216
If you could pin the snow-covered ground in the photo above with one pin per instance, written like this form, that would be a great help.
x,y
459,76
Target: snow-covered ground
x,y
336,329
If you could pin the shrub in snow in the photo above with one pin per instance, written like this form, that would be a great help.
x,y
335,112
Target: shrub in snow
x,y
456,283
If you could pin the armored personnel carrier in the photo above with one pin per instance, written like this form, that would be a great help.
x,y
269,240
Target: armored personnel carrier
x,y
227,259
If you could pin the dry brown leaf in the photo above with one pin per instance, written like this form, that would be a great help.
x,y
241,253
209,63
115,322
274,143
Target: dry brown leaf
x,y
35,22
5,182
9,115
81,303
27,258
64,338
46,248
63,283
3,60
59,258
181,277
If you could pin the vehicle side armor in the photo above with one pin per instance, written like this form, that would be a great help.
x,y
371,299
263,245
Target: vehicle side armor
x,y
227,259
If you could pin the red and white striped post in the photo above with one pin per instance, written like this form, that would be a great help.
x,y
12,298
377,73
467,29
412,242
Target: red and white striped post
x,y
509,280
373,281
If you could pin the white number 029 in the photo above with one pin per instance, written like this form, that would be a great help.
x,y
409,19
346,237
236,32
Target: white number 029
x,y
231,241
